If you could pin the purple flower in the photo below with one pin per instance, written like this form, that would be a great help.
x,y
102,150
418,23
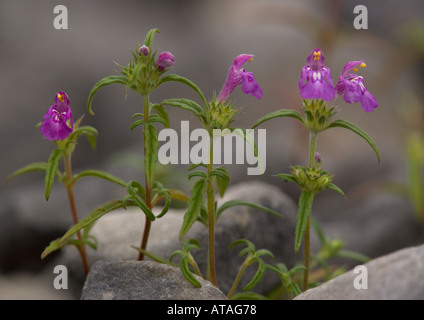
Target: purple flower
x,y
165,60
315,79
57,123
143,51
238,75
353,87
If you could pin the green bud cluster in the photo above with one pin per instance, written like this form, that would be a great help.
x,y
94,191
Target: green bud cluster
x,y
318,115
311,179
222,114
142,73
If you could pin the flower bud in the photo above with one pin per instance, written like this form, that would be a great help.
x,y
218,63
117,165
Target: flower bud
x,y
143,51
165,60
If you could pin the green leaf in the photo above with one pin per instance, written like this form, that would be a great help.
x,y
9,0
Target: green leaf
x,y
152,256
151,147
248,296
305,206
51,171
188,274
222,183
157,118
98,174
233,203
104,82
352,255
177,78
194,205
280,113
197,174
86,130
39,166
349,125
136,124
160,110
149,37
257,277
185,104
87,221
332,186
287,177
223,174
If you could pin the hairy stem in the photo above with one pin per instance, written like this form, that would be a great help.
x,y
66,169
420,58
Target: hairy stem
x,y
148,199
312,148
211,216
70,191
237,279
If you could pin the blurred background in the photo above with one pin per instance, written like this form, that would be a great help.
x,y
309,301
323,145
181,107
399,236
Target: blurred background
x,y
36,61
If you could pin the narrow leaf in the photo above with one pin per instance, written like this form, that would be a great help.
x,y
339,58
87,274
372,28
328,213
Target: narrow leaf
x,y
185,104
257,277
136,124
305,206
152,256
287,177
104,82
194,205
352,127
160,110
188,274
177,78
91,218
39,166
98,174
233,203
51,170
280,113
332,186
149,37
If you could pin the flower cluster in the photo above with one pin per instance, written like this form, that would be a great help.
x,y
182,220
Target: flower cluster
x,y
316,82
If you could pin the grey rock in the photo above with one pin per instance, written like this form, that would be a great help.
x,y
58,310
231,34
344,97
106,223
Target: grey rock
x,y
374,225
118,231
143,280
396,276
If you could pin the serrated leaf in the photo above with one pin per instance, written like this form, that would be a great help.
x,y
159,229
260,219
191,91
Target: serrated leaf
x,y
352,127
194,205
98,174
51,170
233,203
280,113
39,166
104,82
177,78
151,147
305,206
188,274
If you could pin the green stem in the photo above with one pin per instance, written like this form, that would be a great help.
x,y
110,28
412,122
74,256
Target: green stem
x,y
211,216
237,279
312,148
148,200
70,191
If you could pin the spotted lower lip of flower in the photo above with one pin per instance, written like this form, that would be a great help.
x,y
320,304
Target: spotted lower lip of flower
x,y
353,88
57,123
165,60
315,78
238,75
